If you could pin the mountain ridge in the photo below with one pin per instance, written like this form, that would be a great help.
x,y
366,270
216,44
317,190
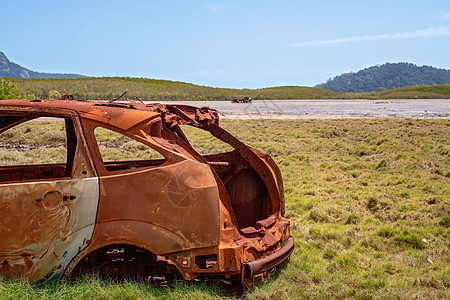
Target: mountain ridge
x,y
386,77
10,69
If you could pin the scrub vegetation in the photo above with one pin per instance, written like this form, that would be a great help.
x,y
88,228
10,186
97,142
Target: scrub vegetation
x,y
409,92
8,90
108,88
369,204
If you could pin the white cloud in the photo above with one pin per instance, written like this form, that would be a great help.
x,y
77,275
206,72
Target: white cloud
x,y
422,33
447,16
216,75
214,7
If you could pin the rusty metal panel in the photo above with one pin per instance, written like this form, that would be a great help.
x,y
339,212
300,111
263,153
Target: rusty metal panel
x,y
114,115
40,230
166,208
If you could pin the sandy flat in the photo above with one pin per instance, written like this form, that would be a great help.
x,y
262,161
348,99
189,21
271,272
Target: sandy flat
x,y
329,109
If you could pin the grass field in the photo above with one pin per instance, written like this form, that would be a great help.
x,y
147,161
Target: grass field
x,y
369,202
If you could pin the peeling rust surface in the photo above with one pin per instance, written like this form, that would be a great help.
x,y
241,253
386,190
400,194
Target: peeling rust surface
x,y
182,202
39,231
215,215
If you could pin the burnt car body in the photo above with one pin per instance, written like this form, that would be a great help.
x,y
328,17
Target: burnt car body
x,y
242,100
213,215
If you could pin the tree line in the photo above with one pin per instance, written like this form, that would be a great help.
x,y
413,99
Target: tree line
x,y
108,88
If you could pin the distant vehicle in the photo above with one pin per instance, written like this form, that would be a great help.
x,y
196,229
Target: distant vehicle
x,y
174,212
242,100
66,97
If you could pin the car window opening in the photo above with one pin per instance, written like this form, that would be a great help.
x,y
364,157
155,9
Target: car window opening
x,y
120,152
36,148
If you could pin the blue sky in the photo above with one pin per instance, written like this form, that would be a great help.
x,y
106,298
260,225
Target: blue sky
x,y
236,44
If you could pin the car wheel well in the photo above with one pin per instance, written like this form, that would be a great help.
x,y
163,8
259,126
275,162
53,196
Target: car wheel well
x,y
124,261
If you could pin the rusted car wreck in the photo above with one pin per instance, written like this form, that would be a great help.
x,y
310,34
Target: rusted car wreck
x,y
184,213
242,100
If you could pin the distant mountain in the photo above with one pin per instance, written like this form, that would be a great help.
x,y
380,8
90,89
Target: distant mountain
x,y
387,76
10,69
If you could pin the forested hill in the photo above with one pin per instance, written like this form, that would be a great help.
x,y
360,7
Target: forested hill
x,y
107,88
10,69
387,76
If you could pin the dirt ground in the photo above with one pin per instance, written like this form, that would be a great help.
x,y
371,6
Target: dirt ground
x,y
330,109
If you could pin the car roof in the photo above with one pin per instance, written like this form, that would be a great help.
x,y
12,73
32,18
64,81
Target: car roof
x,y
120,115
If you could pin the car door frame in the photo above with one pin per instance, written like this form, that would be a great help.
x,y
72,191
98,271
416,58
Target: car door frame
x,y
48,221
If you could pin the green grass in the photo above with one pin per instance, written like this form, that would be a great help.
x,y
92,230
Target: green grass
x,y
362,196
96,288
369,204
